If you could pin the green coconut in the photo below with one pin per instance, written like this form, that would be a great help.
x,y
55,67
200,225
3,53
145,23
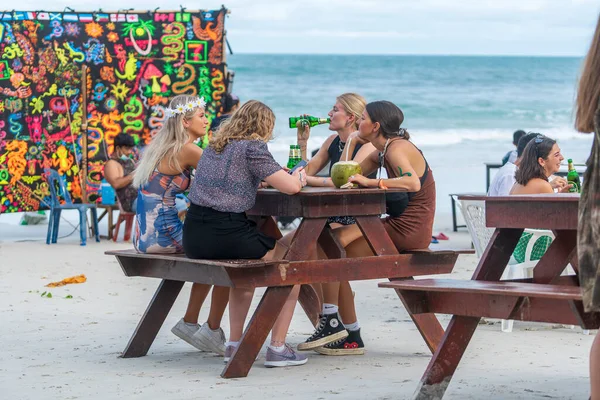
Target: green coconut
x,y
342,170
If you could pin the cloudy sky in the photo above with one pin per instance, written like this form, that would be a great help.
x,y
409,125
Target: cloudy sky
x,y
498,27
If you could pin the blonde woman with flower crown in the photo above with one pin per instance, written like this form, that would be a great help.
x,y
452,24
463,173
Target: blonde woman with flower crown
x,y
162,174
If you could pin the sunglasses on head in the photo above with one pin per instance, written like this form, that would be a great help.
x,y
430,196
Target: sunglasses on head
x,y
539,139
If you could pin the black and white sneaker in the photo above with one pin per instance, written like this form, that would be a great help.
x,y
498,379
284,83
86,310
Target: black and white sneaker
x,y
352,345
330,329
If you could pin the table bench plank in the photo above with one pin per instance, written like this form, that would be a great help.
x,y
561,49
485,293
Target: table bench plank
x,y
504,288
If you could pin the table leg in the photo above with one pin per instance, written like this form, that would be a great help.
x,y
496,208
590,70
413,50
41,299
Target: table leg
x,y
110,224
256,332
153,318
453,202
458,334
428,325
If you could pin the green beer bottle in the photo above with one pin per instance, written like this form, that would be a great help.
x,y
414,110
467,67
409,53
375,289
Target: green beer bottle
x,y
308,120
292,161
573,178
298,156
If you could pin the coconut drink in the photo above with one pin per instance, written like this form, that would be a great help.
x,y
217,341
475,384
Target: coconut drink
x,y
342,170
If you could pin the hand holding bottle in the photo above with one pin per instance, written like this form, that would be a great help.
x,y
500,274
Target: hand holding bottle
x,y
303,132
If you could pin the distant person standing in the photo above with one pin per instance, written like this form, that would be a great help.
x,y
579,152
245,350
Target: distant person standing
x,y
511,156
230,103
587,119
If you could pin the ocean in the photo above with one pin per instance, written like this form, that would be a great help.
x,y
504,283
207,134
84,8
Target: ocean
x,y
460,110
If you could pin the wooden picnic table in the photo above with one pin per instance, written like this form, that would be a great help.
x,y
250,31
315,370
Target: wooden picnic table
x,y
314,206
547,297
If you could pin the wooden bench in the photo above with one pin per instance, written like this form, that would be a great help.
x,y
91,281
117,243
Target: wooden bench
x,y
523,300
278,275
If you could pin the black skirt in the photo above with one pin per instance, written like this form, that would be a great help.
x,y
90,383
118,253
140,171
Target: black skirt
x,y
211,234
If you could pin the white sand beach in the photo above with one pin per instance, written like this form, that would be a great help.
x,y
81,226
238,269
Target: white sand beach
x,y
68,348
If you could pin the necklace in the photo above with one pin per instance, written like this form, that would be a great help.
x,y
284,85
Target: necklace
x,y
382,157
341,146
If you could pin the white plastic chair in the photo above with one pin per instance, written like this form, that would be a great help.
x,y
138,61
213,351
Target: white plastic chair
x,y
473,212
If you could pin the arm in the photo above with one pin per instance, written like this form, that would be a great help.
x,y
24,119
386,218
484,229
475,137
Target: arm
x,y
302,135
319,182
320,159
408,180
113,172
190,155
286,183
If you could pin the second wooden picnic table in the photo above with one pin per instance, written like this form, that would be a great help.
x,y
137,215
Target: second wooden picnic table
x,y
547,297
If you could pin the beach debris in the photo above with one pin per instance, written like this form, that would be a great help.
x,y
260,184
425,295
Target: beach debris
x,y
46,294
68,281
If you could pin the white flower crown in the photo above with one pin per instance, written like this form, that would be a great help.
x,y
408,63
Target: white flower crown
x,y
183,108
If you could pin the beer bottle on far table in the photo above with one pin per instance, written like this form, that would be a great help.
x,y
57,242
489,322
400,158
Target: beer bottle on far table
x,y
573,178
307,120
292,160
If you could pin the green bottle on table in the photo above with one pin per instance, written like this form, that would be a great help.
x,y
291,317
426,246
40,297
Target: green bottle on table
x,y
307,120
573,178
292,159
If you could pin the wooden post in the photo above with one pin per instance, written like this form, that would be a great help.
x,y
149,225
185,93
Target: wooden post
x,y
83,132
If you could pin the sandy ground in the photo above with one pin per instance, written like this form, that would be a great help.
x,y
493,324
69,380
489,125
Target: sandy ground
x,y
68,348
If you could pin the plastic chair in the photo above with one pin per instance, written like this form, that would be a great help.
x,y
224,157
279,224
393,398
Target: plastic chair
x,y
127,217
521,263
58,188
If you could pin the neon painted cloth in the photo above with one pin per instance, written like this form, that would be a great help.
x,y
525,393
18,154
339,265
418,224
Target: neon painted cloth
x,y
158,227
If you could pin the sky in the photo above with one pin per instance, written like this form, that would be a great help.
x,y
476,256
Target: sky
x,y
449,27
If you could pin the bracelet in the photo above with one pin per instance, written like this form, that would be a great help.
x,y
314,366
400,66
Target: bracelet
x,y
381,185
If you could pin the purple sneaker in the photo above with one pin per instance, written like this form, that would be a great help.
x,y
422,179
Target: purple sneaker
x,y
287,358
229,352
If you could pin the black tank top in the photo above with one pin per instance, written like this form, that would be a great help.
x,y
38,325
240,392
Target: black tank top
x,y
335,153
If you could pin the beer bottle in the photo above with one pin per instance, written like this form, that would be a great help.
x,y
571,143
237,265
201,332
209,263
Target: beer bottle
x,y
308,120
292,157
298,157
573,178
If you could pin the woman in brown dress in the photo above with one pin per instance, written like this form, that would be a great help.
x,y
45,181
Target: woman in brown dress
x,y
587,119
410,214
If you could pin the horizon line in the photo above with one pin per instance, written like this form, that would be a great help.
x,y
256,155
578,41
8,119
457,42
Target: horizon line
x,y
410,54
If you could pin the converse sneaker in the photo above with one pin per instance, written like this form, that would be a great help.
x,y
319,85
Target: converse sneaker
x,y
329,330
209,340
349,346
286,358
186,333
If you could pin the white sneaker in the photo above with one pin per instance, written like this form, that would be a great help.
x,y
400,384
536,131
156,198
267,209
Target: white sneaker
x,y
209,340
186,333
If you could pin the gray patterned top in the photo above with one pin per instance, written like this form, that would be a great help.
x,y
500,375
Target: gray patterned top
x,y
228,181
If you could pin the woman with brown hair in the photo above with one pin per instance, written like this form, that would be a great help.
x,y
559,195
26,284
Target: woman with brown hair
x,y
410,214
541,159
216,226
587,119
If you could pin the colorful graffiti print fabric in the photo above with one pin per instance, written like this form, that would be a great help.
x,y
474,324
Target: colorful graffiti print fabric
x,y
136,63
158,227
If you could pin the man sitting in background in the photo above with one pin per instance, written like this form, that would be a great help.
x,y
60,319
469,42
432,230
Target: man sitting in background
x,y
505,177
511,156
118,171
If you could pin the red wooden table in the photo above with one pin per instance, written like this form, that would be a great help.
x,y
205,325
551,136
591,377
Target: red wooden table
x,y
547,297
314,205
